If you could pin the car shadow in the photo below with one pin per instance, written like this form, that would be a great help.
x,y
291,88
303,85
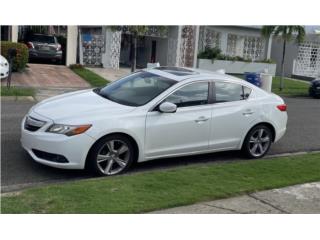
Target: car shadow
x,y
165,163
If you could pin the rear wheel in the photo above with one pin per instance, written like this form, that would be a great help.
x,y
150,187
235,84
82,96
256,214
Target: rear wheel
x,y
111,155
257,141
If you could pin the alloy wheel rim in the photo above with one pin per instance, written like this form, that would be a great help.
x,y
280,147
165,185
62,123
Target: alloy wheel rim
x,y
113,157
259,142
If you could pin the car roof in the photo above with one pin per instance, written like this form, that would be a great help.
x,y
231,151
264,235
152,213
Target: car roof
x,y
183,73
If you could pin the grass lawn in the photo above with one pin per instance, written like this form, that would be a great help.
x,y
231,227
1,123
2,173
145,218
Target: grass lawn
x,y
92,78
142,192
291,87
17,91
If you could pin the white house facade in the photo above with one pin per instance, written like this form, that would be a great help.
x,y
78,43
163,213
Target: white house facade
x,y
175,46
301,60
103,46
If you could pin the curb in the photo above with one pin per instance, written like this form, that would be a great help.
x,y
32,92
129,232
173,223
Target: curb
x,y
291,154
15,188
18,98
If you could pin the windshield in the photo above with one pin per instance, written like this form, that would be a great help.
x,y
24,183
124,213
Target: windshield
x,y
136,89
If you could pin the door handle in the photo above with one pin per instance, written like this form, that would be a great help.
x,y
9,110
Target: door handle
x,y
201,119
248,112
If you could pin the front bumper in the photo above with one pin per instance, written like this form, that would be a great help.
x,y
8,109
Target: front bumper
x,y
4,72
74,148
314,91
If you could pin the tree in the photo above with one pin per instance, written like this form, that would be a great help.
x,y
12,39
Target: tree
x,y
287,34
135,32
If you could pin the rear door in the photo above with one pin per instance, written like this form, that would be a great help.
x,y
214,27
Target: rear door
x,y
232,114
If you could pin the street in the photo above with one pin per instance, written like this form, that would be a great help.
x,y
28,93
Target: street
x,y
20,171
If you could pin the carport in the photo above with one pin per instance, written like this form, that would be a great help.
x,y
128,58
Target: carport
x,y
16,32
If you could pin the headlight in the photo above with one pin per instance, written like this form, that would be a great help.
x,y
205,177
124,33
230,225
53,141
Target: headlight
x,y
68,130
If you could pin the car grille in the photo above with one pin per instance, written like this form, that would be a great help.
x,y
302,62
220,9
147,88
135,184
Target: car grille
x,y
32,124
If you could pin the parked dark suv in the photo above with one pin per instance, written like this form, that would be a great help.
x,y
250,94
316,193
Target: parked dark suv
x,y
44,47
314,89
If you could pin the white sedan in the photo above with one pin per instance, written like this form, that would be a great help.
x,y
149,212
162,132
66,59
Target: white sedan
x,y
4,67
153,113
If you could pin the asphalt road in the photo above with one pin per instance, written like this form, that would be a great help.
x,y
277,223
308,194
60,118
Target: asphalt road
x,y
18,170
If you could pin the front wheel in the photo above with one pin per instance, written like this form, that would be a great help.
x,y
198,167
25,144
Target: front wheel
x,y
111,155
257,142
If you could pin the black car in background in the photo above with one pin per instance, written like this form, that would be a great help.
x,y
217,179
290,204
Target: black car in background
x,y
45,47
314,89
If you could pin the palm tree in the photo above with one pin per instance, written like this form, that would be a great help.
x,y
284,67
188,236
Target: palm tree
x,y
287,34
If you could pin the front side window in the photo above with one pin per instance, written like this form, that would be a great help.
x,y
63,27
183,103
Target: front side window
x,y
136,89
191,95
229,92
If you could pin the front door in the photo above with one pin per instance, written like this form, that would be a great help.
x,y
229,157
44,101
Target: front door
x,y
185,131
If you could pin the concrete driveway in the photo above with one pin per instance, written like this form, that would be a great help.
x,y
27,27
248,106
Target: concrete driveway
x,y
47,76
19,170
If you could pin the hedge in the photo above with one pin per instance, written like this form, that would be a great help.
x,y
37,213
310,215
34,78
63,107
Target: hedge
x,y
22,57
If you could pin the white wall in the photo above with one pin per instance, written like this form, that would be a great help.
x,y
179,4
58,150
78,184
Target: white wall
x,y
14,33
72,37
238,30
236,67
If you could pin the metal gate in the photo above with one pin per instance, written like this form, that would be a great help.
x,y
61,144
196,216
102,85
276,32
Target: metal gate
x,y
92,48
308,61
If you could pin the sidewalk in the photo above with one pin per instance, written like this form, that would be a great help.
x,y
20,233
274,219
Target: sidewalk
x,y
304,198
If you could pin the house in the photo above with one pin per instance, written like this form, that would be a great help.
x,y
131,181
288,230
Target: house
x,y
102,46
176,46
301,60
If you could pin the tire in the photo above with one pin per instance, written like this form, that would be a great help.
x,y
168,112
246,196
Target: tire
x,y
257,141
105,162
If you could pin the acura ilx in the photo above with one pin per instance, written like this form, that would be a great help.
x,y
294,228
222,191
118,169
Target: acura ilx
x,y
151,114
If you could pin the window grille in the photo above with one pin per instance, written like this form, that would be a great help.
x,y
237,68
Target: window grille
x,y
308,60
232,45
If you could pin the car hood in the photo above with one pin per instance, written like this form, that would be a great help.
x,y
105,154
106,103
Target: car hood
x,y
77,106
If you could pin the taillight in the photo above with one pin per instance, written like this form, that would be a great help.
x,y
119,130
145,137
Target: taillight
x,y
30,45
282,107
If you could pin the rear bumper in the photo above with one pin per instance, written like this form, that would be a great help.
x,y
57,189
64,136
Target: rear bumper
x,y
279,134
74,149
35,54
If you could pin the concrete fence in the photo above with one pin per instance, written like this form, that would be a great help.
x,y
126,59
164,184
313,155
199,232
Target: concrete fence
x,y
236,67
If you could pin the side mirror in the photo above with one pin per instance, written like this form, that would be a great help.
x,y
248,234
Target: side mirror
x,y
168,107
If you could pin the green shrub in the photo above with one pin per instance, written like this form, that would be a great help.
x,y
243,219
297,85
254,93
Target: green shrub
x,y
267,61
210,53
215,54
22,57
76,66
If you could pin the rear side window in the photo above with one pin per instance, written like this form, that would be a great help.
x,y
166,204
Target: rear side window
x,y
191,95
230,92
